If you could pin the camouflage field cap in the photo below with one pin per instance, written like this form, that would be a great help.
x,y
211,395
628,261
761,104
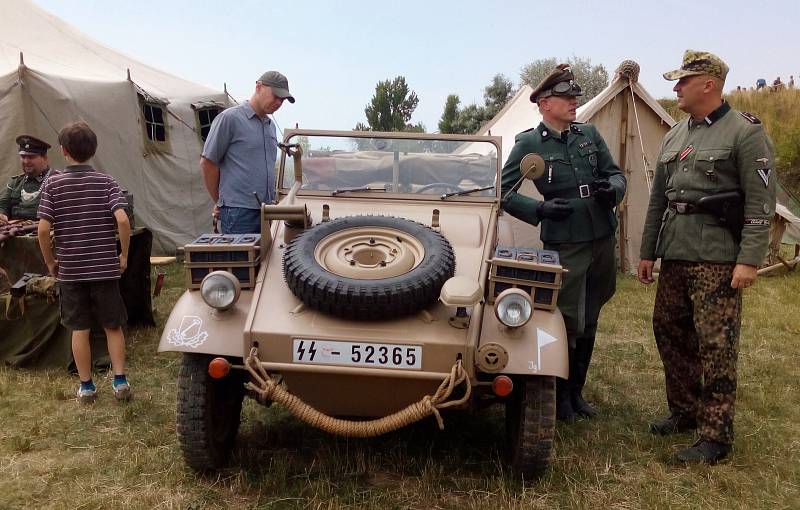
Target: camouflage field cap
x,y
699,62
560,82
278,83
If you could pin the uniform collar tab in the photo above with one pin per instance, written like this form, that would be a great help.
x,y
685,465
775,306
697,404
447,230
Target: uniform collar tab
x,y
718,113
544,131
547,132
39,178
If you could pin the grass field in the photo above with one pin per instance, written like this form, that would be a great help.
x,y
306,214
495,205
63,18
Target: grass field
x,y
55,453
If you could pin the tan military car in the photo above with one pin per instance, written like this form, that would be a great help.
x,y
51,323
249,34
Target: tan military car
x,y
385,286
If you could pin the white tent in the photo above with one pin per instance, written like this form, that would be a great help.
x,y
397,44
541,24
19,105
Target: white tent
x,y
631,122
148,122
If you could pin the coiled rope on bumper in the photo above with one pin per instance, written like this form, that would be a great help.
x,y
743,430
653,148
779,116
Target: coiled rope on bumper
x,y
266,389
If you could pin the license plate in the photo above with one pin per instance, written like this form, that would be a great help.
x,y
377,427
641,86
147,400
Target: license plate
x,y
362,354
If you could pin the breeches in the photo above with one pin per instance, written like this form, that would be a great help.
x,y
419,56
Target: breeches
x,y
589,284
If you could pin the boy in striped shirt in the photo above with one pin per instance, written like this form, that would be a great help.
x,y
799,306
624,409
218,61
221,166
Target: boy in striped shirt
x,y
83,207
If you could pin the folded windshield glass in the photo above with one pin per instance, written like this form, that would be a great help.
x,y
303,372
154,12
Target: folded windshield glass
x,y
428,167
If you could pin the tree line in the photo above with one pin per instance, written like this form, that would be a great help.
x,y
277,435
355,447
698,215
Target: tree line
x,y
393,102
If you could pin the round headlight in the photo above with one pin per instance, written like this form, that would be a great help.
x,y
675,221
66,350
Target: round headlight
x,y
220,290
513,308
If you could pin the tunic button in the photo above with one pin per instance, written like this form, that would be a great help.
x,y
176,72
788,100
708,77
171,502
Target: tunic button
x,y
685,169
681,191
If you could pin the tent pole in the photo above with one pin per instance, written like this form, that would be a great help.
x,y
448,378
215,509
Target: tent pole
x,y
623,165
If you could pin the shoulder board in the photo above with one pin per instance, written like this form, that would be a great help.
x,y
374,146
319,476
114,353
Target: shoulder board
x,y
521,134
752,119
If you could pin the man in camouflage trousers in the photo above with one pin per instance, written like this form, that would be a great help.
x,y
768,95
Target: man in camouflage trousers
x,y
711,167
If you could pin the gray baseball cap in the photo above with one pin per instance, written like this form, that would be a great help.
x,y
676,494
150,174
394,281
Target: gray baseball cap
x,y
278,83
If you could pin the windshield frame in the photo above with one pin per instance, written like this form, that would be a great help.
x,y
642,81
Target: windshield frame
x,y
287,164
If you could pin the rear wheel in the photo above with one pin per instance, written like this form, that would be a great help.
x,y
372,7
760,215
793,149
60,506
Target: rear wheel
x,y
530,422
208,413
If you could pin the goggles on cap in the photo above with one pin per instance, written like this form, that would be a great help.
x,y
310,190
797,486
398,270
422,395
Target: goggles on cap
x,y
563,88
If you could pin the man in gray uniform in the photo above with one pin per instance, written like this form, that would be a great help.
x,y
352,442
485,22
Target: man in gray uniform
x,y
581,186
239,156
19,200
711,202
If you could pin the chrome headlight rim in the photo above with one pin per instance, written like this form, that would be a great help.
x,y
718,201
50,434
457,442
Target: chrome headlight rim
x,y
227,280
508,297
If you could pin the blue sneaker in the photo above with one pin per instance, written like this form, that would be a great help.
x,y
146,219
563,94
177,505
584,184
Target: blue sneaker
x,y
87,395
122,391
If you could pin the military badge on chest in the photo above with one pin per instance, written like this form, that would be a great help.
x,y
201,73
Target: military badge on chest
x,y
593,162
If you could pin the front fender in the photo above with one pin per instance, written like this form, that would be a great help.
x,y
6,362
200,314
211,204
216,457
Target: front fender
x,y
537,348
193,326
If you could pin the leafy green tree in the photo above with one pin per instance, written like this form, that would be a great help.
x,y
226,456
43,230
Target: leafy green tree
x,y
592,78
497,94
450,114
469,119
391,108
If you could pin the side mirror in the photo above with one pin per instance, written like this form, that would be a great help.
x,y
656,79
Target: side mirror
x,y
532,166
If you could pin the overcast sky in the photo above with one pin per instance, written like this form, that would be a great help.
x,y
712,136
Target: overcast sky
x,y
334,52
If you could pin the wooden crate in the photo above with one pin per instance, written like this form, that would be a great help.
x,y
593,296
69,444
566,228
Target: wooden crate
x,y
217,248
536,271
244,272
543,296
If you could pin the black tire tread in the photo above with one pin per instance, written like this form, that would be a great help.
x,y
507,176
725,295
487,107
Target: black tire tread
x,y
368,299
201,403
531,421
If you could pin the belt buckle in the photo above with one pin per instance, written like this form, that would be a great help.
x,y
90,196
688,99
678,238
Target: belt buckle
x,y
583,190
681,207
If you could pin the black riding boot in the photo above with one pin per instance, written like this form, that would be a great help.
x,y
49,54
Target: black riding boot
x,y
578,368
564,410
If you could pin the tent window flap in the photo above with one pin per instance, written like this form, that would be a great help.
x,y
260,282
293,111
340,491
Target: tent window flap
x,y
155,127
205,117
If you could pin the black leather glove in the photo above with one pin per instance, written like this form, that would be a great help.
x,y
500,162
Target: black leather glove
x,y
554,209
603,192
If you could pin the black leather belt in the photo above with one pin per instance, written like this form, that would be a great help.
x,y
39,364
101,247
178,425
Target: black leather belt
x,y
684,208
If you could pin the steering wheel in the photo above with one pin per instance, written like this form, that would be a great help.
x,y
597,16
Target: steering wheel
x,y
444,185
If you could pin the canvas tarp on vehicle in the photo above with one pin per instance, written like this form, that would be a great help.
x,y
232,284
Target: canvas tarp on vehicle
x,y
52,74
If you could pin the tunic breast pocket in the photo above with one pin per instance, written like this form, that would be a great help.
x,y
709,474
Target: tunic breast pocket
x,y
588,159
714,169
558,174
669,159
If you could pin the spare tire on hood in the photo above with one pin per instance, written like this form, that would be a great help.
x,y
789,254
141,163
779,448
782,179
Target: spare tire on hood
x,y
368,267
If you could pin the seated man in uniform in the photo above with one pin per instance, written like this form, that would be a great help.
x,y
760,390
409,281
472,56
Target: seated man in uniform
x,y
19,200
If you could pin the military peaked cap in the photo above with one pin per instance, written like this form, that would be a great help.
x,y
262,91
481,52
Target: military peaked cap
x,y
29,145
548,87
699,62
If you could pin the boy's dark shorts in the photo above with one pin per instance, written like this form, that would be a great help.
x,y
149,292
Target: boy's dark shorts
x,y
83,304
